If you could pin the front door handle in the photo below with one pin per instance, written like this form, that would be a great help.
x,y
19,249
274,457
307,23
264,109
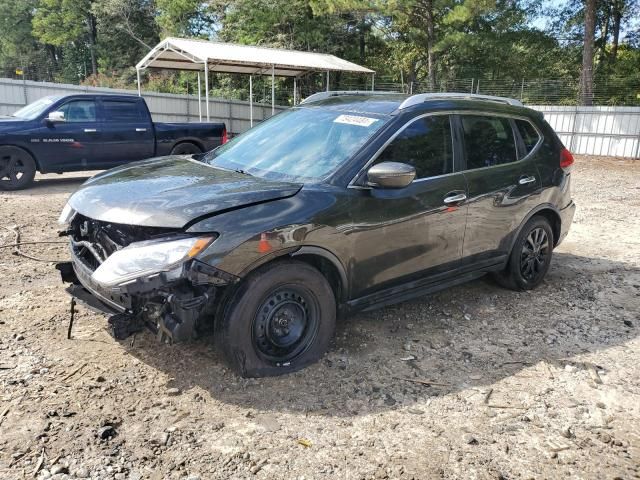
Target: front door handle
x,y
460,197
141,129
90,130
525,180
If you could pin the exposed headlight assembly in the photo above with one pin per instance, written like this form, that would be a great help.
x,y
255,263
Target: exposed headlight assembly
x,y
66,215
143,258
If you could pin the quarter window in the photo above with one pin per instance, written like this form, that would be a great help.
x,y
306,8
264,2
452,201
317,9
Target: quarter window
x,y
528,134
488,141
426,144
79,111
121,111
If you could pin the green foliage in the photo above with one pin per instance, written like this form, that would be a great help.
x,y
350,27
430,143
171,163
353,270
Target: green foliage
x,y
98,42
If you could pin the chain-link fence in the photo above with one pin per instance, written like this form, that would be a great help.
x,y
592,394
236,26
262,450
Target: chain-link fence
x,y
607,91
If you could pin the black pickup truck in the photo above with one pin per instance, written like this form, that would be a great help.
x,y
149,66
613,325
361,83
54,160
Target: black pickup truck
x,y
58,134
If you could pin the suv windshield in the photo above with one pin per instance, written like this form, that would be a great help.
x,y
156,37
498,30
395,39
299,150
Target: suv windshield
x,y
34,109
301,144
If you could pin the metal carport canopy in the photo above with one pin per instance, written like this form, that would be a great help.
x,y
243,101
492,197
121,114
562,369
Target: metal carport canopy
x,y
202,55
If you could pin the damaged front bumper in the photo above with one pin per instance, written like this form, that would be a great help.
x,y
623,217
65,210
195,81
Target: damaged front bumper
x,y
172,307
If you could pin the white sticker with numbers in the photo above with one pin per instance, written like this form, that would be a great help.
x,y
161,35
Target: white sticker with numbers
x,y
356,120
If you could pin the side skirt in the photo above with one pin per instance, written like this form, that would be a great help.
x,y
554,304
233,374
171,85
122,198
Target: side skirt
x,y
423,286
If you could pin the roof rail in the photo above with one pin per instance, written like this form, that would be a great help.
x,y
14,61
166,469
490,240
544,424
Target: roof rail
x,y
424,97
337,93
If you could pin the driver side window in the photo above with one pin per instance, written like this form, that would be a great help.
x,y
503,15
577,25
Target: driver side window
x,y
79,111
426,144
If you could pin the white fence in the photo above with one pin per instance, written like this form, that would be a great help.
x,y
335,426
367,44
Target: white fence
x,y
609,131
164,107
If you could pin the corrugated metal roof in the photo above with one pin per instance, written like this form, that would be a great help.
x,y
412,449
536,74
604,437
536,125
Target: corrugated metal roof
x,y
190,54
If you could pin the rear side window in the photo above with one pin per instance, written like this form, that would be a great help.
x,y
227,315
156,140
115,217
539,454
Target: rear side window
x,y
122,111
426,144
78,111
488,141
528,134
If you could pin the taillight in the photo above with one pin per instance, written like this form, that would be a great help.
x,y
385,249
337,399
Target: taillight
x,y
566,159
225,139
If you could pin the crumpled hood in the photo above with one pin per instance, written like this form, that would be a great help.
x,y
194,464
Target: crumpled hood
x,y
171,192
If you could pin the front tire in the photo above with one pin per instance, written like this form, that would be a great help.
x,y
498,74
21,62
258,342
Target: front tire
x,y
530,257
281,319
17,168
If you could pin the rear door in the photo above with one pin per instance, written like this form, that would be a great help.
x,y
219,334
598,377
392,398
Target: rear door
x,y
503,184
127,131
401,234
70,144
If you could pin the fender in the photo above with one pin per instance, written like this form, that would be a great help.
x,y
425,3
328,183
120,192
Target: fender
x,y
304,250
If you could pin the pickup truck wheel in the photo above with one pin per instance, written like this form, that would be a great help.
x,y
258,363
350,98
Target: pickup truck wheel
x,y
185,148
281,319
530,257
17,168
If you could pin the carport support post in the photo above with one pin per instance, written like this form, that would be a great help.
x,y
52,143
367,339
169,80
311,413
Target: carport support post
x,y
273,90
206,85
373,82
327,80
251,100
138,77
199,99
295,90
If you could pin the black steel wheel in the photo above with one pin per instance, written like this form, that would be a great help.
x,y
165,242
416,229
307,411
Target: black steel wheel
x,y
286,324
17,168
530,257
279,320
186,148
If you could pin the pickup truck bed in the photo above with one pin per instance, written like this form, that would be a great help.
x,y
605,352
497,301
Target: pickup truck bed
x,y
91,132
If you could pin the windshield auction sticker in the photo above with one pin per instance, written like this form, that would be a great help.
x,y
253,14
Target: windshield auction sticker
x,y
356,120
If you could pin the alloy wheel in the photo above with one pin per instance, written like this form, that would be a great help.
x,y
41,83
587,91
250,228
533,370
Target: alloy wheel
x,y
12,169
534,254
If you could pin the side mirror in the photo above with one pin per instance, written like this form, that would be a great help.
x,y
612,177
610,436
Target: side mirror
x,y
391,175
56,117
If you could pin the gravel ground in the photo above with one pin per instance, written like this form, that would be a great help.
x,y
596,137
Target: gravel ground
x,y
473,382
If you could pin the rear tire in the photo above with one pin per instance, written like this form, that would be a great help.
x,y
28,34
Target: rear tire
x,y
281,319
17,168
186,148
530,257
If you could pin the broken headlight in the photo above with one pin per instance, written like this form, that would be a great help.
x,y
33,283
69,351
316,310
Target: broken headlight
x,y
143,258
66,215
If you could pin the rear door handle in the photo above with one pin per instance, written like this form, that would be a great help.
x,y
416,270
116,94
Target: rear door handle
x,y
525,180
141,129
460,197
90,130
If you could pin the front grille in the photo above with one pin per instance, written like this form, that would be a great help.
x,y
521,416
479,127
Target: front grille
x,y
93,241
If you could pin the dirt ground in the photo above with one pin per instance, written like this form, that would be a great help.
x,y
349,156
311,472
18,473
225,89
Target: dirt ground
x,y
473,382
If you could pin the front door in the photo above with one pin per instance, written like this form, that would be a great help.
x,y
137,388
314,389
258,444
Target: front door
x,y
70,144
502,187
403,233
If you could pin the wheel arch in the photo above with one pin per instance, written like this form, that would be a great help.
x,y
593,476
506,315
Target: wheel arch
x,y
329,265
549,212
192,141
326,262
22,147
